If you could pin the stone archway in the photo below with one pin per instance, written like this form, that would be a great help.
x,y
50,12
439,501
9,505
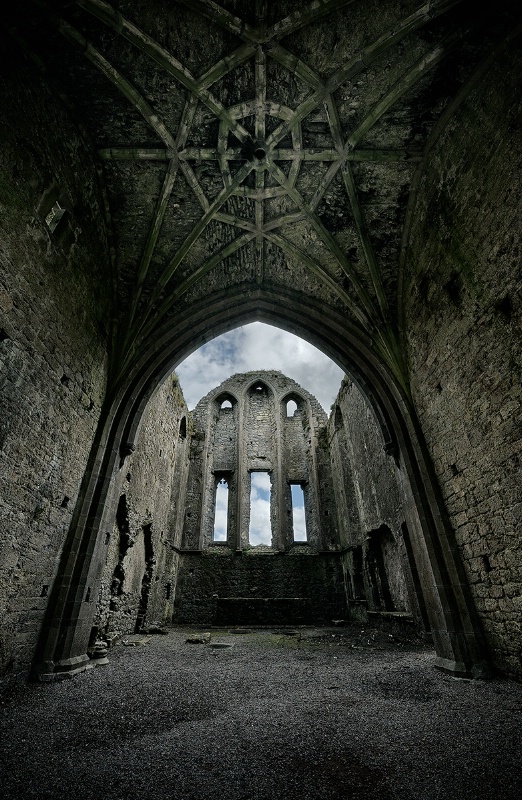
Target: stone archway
x,y
456,631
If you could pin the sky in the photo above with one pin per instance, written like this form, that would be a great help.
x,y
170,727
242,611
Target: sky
x,y
298,513
221,512
259,346
260,528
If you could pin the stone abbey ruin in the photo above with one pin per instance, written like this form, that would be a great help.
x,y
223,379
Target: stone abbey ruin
x,y
347,170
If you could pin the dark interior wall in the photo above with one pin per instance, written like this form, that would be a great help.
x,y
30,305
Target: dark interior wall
x,y
370,509
54,306
462,318
365,476
139,576
220,587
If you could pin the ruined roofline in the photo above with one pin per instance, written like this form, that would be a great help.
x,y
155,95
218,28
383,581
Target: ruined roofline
x,y
238,384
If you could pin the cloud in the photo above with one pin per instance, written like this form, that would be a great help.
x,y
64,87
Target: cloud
x,y
260,528
255,347
298,514
299,524
221,513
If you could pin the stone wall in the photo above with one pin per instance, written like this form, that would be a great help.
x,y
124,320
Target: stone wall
x,y
244,426
223,587
370,511
55,290
139,579
462,319
256,434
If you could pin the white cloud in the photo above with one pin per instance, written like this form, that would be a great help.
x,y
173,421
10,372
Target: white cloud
x,y
298,520
298,513
221,513
254,347
260,528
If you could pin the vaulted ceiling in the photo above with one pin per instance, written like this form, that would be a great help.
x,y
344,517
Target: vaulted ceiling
x,y
258,144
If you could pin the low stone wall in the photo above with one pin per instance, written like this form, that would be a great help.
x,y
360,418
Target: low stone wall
x,y
225,587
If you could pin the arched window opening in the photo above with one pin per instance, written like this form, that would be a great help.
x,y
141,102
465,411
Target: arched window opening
x,y
225,402
298,513
260,526
183,428
259,389
221,511
291,408
384,571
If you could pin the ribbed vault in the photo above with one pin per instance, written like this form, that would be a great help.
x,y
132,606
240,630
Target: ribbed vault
x,y
258,146
255,161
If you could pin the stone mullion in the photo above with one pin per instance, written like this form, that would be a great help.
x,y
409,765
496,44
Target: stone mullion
x,y
241,474
342,508
313,486
182,472
208,483
279,538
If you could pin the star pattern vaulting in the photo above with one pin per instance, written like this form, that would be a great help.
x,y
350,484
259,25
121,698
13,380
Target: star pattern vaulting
x,y
288,157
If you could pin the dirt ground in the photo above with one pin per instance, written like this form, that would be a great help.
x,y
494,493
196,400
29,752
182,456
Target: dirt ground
x,y
259,714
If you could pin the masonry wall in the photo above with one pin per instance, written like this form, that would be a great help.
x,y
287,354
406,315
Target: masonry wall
x,y
370,511
139,580
462,321
237,579
222,587
256,434
55,289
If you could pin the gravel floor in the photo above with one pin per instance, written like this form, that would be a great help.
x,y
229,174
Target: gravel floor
x,y
342,713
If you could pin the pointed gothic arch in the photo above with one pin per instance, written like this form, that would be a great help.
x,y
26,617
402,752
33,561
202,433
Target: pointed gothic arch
x,y
457,634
